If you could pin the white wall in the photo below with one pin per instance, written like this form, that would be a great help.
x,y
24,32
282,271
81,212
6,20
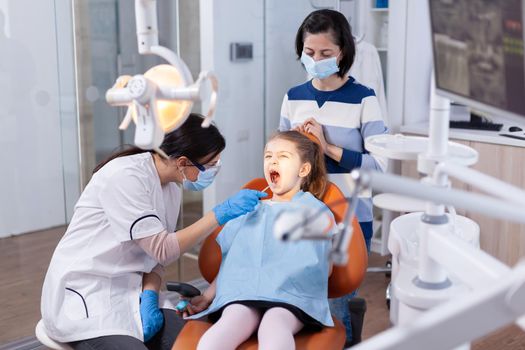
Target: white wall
x,y
418,63
36,86
239,113
250,93
282,69
409,62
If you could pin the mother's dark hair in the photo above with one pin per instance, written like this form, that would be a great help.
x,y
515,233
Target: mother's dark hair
x,y
191,140
335,24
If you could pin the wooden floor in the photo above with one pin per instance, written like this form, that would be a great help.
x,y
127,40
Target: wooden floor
x,y
24,261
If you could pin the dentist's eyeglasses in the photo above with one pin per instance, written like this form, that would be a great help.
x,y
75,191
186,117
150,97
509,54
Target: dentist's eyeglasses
x,y
201,167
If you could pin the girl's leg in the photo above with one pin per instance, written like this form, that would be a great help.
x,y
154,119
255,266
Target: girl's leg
x,y
236,324
277,329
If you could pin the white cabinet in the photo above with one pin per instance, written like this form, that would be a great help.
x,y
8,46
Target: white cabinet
x,y
377,32
369,23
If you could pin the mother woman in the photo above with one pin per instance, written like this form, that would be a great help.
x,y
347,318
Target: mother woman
x,y
335,108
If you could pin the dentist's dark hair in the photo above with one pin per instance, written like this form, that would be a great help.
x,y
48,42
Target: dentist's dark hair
x,y
309,151
191,140
335,24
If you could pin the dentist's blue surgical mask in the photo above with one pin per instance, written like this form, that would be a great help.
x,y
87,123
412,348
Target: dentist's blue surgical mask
x,y
320,69
204,179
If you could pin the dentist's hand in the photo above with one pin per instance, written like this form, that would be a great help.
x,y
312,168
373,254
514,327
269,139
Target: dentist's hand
x,y
152,318
239,204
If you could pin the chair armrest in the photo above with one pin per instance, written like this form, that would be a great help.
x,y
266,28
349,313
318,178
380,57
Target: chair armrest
x,y
184,289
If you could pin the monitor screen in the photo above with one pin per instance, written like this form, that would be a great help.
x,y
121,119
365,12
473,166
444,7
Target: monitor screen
x,y
478,53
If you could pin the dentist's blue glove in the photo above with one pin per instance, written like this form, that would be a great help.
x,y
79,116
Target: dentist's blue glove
x,y
239,204
152,318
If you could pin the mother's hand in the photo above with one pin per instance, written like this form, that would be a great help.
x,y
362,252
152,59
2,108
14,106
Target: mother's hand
x,y
311,126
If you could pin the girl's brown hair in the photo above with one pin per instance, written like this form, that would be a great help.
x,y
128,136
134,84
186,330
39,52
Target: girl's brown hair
x,y
309,152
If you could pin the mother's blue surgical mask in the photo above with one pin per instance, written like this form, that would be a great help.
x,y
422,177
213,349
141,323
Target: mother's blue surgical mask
x,y
204,179
320,69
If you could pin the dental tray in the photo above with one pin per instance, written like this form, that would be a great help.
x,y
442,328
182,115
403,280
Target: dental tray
x,y
402,147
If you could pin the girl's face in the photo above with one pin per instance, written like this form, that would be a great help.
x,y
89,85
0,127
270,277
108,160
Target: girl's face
x,y
320,46
283,169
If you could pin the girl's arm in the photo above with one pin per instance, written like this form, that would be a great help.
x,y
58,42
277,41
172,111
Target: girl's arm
x,y
201,302
210,292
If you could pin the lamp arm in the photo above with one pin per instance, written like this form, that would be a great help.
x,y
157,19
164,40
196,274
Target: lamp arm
x,y
146,21
118,96
212,104
481,181
174,60
474,267
188,93
482,204
148,37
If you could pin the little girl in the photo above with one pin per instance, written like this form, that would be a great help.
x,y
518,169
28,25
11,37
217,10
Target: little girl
x,y
274,287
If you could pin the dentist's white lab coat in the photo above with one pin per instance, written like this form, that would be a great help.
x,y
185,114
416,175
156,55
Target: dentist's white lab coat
x,y
94,280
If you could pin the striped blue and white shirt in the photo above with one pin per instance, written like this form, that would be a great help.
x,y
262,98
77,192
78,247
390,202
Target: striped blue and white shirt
x,y
348,115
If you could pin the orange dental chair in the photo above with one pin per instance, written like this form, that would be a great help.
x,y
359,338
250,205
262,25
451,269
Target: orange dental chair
x,y
343,280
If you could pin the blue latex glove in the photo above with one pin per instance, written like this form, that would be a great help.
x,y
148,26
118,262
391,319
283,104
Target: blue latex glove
x,y
152,318
181,305
239,204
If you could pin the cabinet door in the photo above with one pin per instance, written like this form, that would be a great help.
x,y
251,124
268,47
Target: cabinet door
x,y
501,239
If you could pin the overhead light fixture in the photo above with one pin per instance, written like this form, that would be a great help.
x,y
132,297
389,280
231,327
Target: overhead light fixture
x,y
160,100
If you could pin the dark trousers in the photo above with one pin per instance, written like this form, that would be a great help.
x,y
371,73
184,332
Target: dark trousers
x,y
339,307
164,339
368,232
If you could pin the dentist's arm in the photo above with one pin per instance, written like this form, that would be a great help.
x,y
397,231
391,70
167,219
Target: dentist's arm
x,y
152,318
166,247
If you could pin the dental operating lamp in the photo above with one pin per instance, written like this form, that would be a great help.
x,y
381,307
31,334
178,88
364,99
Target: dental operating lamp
x,y
160,100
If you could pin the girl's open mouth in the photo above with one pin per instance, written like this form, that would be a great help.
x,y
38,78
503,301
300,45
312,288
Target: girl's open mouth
x,y
274,176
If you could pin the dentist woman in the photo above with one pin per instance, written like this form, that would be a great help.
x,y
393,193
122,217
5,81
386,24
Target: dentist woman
x,y
101,288
335,108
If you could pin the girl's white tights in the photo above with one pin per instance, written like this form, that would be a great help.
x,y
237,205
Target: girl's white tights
x,y
277,327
